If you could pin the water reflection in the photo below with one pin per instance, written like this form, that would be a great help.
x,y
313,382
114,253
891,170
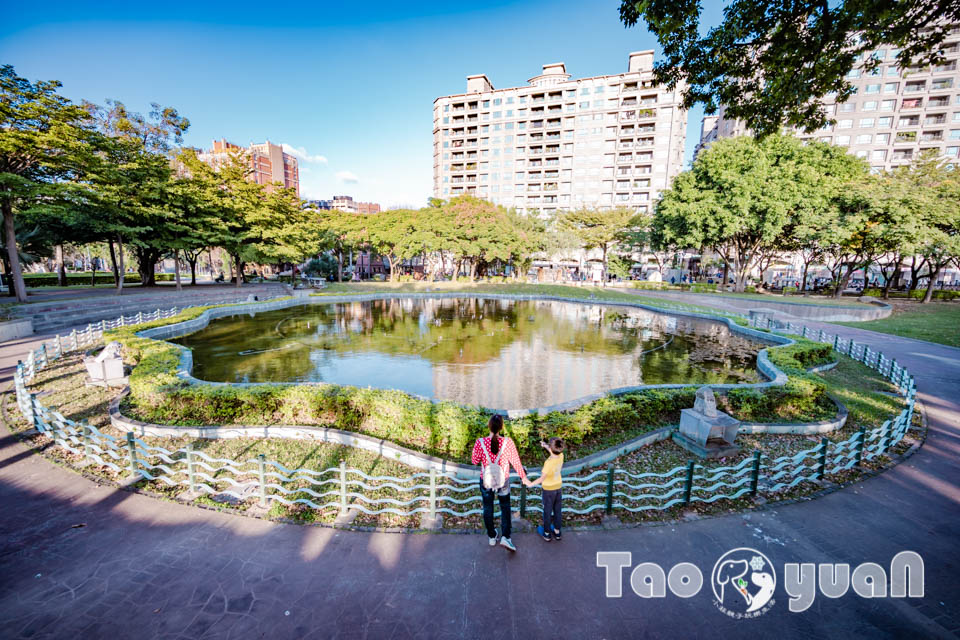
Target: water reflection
x,y
493,353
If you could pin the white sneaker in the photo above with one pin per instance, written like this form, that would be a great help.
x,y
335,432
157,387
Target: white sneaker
x,y
493,541
506,543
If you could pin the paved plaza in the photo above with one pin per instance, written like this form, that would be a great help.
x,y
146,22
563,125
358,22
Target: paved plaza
x,y
79,560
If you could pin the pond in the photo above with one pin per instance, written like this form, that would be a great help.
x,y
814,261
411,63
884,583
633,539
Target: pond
x,y
501,354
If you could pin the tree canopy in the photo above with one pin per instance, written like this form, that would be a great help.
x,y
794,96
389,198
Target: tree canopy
x,y
770,62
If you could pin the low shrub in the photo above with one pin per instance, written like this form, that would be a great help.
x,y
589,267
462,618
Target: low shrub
x,y
701,287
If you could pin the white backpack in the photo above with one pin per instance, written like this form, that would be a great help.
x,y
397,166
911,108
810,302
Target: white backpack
x,y
494,478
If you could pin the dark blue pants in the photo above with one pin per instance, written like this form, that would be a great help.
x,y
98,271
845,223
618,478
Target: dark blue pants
x,y
551,509
504,500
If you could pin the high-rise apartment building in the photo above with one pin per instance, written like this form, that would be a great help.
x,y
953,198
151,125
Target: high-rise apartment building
x,y
268,161
558,143
894,114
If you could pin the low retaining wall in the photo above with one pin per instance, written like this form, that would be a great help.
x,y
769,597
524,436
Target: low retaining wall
x,y
800,428
13,329
774,376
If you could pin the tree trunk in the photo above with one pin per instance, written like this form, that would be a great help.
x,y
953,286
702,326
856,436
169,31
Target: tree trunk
x,y
844,281
193,269
240,272
176,269
473,269
928,296
340,265
61,269
803,283
113,265
889,281
603,277
10,236
120,265
726,275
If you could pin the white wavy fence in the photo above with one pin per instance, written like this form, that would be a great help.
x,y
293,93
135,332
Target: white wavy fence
x,y
340,488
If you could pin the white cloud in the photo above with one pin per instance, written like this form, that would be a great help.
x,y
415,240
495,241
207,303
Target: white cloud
x,y
347,177
301,153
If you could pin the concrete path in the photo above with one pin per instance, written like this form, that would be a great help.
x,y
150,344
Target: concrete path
x,y
82,561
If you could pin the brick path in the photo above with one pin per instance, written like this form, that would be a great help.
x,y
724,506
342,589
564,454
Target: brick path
x,y
151,569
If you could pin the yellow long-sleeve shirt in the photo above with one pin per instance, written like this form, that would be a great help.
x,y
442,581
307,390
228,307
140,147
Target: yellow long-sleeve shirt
x,y
551,473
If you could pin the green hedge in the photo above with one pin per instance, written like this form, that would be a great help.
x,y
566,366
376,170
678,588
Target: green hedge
x,y
916,294
443,429
102,277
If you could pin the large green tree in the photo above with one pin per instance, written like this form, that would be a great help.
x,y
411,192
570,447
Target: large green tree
x,y
771,61
41,133
744,198
597,228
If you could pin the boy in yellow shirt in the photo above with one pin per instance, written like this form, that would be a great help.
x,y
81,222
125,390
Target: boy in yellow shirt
x,y
552,493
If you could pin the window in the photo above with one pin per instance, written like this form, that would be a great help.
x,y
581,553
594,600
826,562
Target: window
x,y
953,152
864,138
878,154
885,122
585,105
598,90
585,91
847,107
866,122
509,101
955,134
853,73
843,140
888,105
956,116
862,153
497,115
496,102
891,87
446,108
486,104
883,138
845,124
870,105
509,113
873,88
893,71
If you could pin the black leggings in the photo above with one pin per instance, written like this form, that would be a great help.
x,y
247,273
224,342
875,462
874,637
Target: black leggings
x,y
504,501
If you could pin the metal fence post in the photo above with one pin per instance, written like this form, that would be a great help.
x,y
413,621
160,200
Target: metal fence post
x,y
262,473
34,414
609,500
191,471
822,471
836,342
755,473
860,443
59,343
343,486
139,317
132,451
73,340
87,435
433,495
883,438
688,485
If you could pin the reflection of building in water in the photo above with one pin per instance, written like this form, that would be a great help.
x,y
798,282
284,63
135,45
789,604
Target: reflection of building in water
x,y
534,372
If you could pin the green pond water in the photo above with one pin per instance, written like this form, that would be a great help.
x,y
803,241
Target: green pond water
x,y
494,353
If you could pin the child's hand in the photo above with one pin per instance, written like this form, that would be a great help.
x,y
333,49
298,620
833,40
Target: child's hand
x,y
527,483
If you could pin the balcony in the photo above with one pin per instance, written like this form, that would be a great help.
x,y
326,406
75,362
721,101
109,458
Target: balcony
x,y
931,136
908,122
906,136
940,85
901,156
915,87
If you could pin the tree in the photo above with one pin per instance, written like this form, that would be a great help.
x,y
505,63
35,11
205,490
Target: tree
x,y
743,198
597,228
134,178
770,62
40,135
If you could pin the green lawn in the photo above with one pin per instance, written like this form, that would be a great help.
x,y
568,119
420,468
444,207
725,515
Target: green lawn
x,y
934,322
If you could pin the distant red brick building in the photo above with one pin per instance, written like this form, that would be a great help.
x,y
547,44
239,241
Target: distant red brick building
x,y
269,162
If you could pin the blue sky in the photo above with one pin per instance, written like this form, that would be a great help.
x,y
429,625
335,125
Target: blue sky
x,y
350,85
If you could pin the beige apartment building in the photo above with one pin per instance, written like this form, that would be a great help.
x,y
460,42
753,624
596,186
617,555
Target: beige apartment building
x,y
268,162
894,115
559,143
